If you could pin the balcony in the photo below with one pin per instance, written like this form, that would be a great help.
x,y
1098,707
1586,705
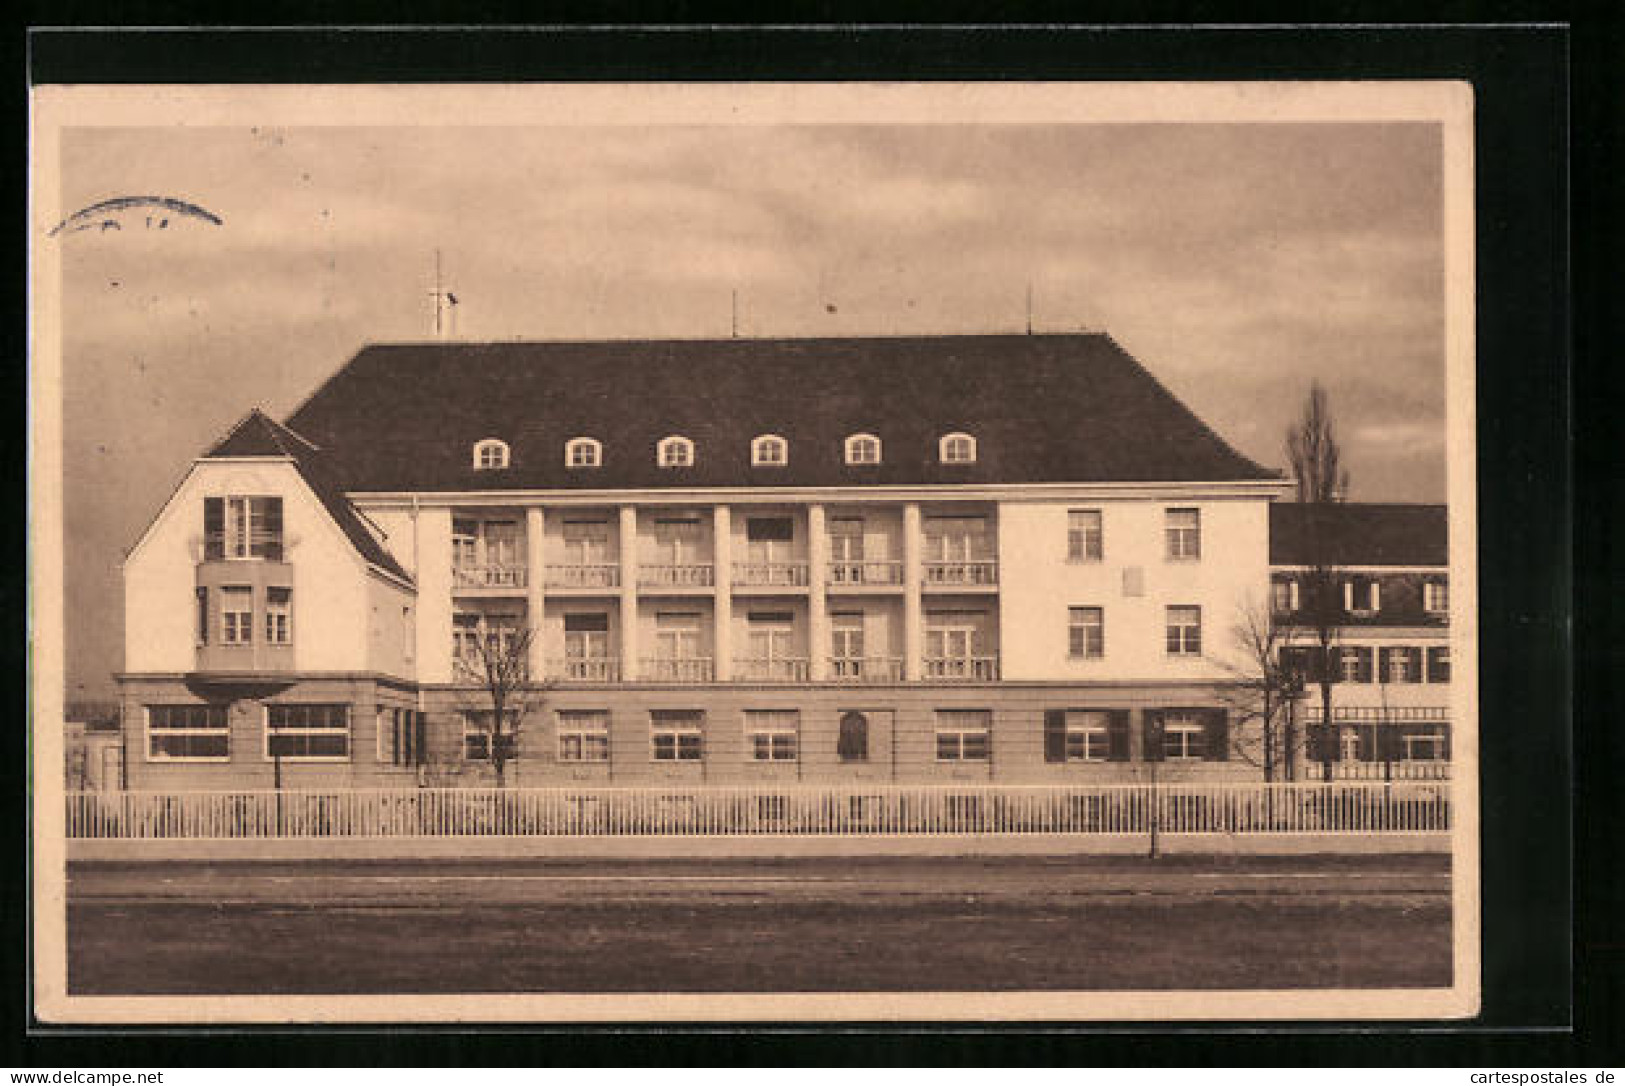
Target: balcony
x,y
866,669
784,669
490,575
685,575
688,670
978,574
844,574
961,668
771,574
585,575
592,669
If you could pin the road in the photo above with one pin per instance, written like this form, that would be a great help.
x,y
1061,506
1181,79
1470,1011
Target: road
x,y
795,925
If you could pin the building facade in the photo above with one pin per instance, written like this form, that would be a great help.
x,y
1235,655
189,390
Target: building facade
x,y
971,558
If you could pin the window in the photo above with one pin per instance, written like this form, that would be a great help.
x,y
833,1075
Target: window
x,y
957,448
278,616
586,637
242,527
490,454
236,615
1284,597
852,745
769,539
477,736
675,452
401,736
1085,539
1183,738
409,635
963,735
1353,663
769,451
583,735
1184,631
1436,597
478,635
677,635
951,543
955,646
846,643
863,449
1439,664
770,734
1184,531
677,541
1423,745
676,735
309,733
1400,664
1086,632
583,452
1088,735
188,733
202,615
1362,595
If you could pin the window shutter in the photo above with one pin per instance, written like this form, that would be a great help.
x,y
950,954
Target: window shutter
x,y
1054,735
1334,663
1151,736
1385,744
1367,742
1315,741
214,529
1216,733
1438,665
1117,745
1365,665
1415,655
1384,661
1444,745
271,545
202,615
420,741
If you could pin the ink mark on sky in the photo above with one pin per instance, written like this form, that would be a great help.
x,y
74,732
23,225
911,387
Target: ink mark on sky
x,y
101,216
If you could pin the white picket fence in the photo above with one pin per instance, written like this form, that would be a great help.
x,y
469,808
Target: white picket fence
x,y
1339,807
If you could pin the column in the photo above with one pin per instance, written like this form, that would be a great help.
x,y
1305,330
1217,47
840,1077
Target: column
x,y
913,640
627,544
817,609
433,547
722,638
535,579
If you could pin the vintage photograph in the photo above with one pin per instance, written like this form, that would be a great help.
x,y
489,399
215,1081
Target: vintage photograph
x,y
754,552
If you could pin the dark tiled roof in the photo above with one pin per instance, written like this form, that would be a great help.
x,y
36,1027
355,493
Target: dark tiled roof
x,y
1359,534
259,435
1046,408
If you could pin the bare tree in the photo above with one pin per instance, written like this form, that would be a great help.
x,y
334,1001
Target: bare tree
x,y
1263,696
1317,464
496,658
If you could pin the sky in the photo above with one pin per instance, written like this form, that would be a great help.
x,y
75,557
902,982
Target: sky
x,y
1237,261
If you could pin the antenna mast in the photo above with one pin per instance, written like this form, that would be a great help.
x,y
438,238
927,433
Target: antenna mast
x,y
1029,307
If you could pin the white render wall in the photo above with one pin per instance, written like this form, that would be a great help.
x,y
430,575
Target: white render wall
x,y
331,595
1037,584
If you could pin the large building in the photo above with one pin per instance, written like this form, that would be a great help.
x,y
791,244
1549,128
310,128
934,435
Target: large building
x,y
911,559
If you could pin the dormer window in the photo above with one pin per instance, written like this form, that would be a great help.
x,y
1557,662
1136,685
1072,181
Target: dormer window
x,y
957,449
490,454
863,449
769,451
583,452
675,452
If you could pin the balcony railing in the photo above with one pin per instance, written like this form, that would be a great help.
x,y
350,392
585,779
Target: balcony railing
x,y
866,669
984,572
686,575
881,573
692,670
962,668
773,574
1433,770
781,669
489,575
593,575
595,669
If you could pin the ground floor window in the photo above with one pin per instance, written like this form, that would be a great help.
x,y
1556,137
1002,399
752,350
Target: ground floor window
x,y
963,735
1423,745
188,733
401,737
583,735
477,736
852,744
311,733
676,735
770,734
1183,738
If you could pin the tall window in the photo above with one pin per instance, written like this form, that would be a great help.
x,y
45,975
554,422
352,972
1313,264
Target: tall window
x,y
1184,532
964,735
1436,597
677,635
586,543
278,616
677,541
1086,632
846,643
311,733
769,539
952,540
1184,631
1085,536
863,449
675,452
957,448
583,735
490,454
498,632
770,635
954,645
769,451
188,733
236,614
202,615
770,734
242,527
583,452
676,735
586,636
852,745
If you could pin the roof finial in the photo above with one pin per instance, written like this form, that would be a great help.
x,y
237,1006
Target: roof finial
x,y
444,303
1029,307
734,294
